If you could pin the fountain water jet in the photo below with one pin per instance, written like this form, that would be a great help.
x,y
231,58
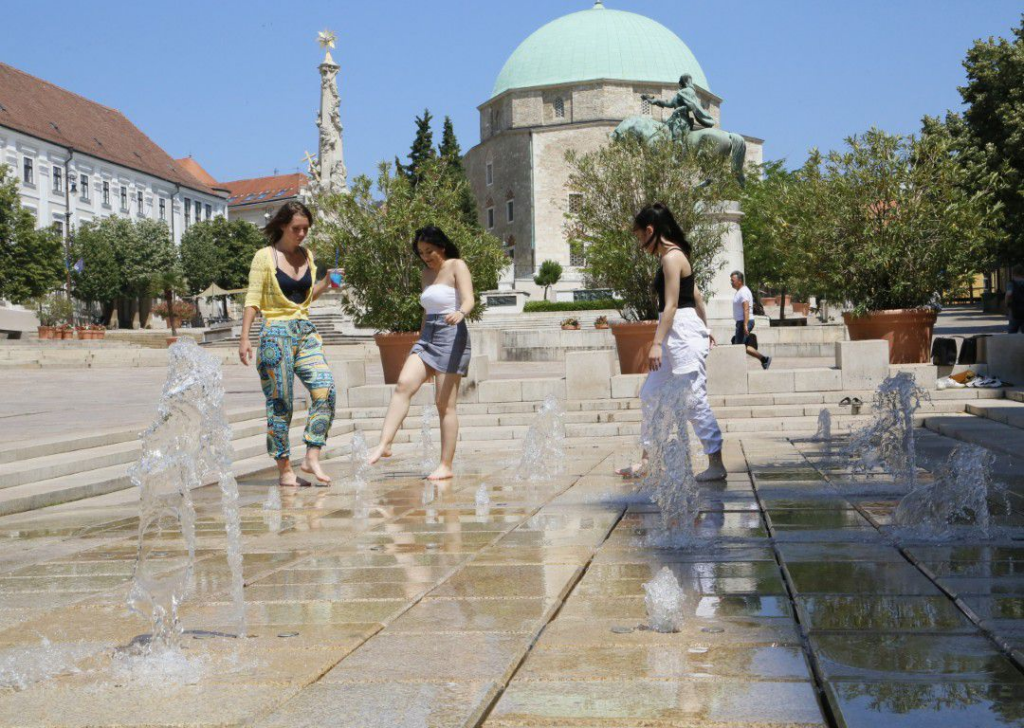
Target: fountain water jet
x,y
888,441
359,456
188,445
664,599
955,503
544,447
428,420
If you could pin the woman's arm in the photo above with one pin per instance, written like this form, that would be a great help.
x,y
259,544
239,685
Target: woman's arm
x,y
701,312
320,287
253,301
244,345
464,285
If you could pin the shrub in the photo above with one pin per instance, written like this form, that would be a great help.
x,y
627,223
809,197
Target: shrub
x,y
600,304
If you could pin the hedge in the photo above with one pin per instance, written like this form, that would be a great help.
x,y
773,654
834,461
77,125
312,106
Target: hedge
x,y
601,304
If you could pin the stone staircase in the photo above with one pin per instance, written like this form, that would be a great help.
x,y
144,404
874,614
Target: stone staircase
x,y
328,324
38,474
997,425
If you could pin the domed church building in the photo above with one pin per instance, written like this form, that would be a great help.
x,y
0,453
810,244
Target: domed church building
x,y
567,86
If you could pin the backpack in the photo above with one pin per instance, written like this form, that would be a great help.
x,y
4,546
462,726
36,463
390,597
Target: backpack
x,y
943,351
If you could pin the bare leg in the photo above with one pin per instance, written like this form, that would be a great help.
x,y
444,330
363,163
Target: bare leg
x,y
414,374
636,470
311,465
447,394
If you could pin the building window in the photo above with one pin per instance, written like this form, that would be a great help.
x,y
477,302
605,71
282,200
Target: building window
x,y
124,199
59,227
510,210
141,203
106,194
199,210
490,218
559,108
209,212
58,180
83,183
489,174
188,211
28,174
645,107
163,209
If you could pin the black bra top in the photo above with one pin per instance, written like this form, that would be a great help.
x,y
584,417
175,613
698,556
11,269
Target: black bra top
x,y
294,290
686,295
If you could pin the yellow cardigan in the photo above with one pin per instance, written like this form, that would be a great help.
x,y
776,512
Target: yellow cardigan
x,y
265,293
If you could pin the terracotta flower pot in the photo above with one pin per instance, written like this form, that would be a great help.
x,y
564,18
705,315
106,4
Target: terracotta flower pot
x,y
394,350
67,334
602,326
908,331
45,332
171,340
633,341
570,328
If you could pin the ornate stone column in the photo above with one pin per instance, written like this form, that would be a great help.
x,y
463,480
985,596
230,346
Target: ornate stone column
x,y
328,171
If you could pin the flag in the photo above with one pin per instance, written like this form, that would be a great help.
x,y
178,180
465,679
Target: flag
x,y
79,266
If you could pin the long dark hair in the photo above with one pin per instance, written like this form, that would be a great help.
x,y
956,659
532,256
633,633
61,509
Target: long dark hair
x,y
274,230
665,226
434,236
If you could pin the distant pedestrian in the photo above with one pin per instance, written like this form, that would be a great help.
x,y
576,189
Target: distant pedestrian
x,y
1015,299
743,313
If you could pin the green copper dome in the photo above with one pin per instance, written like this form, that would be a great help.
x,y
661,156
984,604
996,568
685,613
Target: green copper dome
x,y
599,43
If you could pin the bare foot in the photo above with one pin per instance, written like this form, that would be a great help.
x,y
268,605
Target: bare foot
x,y
379,452
314,469
715,472
286,477
442,472
636,470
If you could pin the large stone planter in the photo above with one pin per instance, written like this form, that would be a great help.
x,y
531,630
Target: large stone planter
x,y
394,350
908,331
633,341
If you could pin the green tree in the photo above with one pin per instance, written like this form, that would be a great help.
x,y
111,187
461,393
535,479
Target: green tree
x,y
894,220
374,237
549,273
238,241
450,151
422,150
614,184
99,279
778,225
200,259
31,260
994,128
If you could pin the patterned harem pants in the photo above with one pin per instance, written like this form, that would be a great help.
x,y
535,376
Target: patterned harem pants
x,y
289,349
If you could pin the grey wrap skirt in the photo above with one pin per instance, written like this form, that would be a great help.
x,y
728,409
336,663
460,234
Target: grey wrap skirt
x,y
443,347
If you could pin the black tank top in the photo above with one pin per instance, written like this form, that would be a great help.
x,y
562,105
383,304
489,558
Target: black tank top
x,y
686,296
294,290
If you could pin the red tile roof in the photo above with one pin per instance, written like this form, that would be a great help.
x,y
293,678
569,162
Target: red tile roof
x,y
193,168
45,111
264,189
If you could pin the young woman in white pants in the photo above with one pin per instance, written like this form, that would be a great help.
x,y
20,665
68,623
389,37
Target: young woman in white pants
x,y
682,340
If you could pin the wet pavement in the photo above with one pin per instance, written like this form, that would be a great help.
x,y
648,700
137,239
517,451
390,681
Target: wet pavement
x,y
409,605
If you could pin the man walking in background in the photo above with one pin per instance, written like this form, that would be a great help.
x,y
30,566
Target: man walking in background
x,y
1015,299
743,313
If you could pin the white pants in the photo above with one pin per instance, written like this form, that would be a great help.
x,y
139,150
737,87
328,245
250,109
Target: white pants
x,y
683,362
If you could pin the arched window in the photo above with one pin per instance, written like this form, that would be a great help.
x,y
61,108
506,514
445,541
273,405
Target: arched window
x,y
559,108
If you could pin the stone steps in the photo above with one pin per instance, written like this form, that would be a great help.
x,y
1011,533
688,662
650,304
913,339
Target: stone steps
x,y
979,431
1007,411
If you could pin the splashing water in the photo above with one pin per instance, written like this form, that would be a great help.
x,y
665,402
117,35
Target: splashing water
x,y
824,433
188,445
544,447
22,666
956,502
483,501
664,598
359,456
888,441
669,479
428,449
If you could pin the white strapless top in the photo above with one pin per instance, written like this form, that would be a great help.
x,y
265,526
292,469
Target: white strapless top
x,y
438,298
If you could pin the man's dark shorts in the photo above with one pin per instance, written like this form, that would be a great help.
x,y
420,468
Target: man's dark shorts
x,y
743,337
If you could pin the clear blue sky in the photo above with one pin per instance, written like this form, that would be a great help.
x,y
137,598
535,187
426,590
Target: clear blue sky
x,y
235,84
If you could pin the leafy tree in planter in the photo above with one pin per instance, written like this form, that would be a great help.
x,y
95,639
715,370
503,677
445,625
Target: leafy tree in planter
x,y
549,274
615,183
896,220
31,260
374,237
779,229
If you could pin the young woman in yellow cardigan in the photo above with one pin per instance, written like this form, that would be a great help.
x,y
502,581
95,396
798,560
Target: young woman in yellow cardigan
x,y
281,287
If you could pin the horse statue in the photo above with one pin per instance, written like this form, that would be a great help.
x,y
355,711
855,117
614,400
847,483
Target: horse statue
x,y
681,128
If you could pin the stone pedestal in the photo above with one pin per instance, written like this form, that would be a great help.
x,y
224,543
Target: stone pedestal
x,y
728,215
